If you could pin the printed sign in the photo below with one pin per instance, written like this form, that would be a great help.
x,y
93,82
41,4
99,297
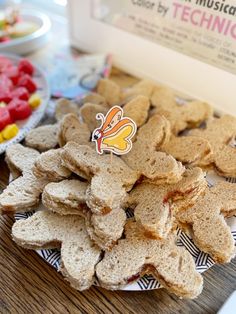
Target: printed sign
x,y
203,29
115,132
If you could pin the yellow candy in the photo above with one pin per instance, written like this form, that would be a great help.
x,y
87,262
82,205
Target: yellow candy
x,y
1,138
2,104
10,131
34,101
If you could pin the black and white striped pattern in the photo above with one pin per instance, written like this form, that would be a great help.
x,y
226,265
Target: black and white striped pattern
x,y
147,282
202,260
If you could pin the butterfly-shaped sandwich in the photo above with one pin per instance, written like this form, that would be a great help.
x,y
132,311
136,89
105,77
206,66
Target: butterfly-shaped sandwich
x,y
115,132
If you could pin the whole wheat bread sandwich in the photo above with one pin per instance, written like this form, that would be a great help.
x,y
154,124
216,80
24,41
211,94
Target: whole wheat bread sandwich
x,y
110,180
94,98
20,159
155,206
206,221
43,138
69,197
221,134
137,109
79,255
105,230
22,194
65,106
110,91
72,129
143,88
49,166
181,116
146,156
200,154
66,197
136,255
88,113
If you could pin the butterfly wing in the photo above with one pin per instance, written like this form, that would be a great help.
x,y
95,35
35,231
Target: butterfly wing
x,y
113,121
115,132
111,118
120,141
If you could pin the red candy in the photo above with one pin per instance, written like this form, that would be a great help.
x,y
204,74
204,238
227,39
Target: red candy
x,y
19,109
16,88
5,97
5,118
4,39
6,84
26,67
13,74
20,93
27,82
4,63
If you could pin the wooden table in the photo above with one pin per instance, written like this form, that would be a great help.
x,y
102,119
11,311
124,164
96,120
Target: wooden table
x,y
30,285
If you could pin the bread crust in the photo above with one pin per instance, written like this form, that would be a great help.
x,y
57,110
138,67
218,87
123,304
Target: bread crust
x,y
136,255
79,255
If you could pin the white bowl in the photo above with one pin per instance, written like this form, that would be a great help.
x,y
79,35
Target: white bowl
x,y
43,91
32,42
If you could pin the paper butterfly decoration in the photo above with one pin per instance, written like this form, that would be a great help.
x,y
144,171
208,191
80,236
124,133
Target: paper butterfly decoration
x,y
115,132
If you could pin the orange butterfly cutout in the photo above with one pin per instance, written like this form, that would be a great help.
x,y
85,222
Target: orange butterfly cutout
x,y
115,132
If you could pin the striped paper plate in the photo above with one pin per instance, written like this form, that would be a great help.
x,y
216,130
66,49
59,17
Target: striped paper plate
x,y
202,260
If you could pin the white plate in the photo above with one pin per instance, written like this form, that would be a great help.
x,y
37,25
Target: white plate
x,y
30,123
202,260
32,42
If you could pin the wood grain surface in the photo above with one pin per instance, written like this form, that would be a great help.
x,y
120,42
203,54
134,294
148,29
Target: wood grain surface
x,y
30,285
